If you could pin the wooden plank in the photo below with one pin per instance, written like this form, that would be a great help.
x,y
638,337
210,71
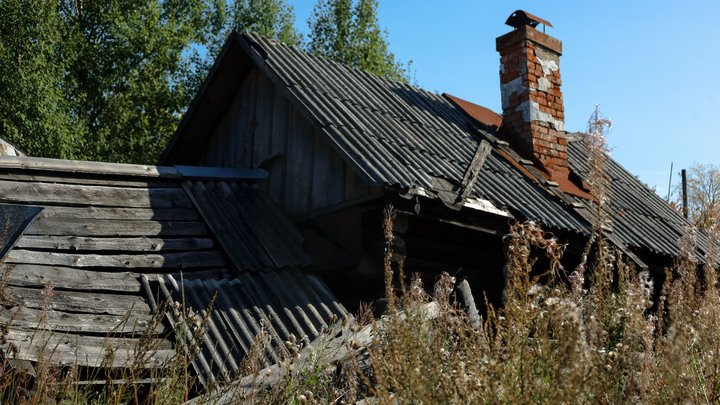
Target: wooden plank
x,y
322,167
114,227
141,244
58,321
299,166
179,260
77,301
29,275
74,178
83,350
265,92
276,180
336,191
131,214
48,193
245,132
78,166
472,173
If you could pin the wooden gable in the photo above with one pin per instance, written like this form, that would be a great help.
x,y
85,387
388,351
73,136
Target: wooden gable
x,y
261,128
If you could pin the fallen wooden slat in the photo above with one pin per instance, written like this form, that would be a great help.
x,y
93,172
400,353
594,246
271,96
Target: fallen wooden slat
x,y
141,244
131,214
49,193
113,227
71,349
157,260
59,321
75,301
30,275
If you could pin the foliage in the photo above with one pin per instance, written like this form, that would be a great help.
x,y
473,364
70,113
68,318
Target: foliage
x,y
270,18
349,34
703,195
98,80
110,81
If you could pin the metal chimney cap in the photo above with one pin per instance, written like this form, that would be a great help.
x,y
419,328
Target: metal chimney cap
x,y
520,18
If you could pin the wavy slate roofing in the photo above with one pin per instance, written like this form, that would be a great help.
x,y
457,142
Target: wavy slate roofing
x,y
397,135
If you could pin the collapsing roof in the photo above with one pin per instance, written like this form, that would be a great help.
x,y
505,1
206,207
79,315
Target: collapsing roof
x,y
424,144
100,247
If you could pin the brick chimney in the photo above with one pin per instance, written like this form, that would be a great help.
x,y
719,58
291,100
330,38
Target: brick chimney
x,y
533,113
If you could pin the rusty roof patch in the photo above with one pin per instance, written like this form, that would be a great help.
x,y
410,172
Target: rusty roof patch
x,y
483,115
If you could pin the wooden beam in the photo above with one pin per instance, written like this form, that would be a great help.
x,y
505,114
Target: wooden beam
x,y
60,321
179,260
130,214
472,173
79,302
30,275
112,227
81,195
83,350
136,244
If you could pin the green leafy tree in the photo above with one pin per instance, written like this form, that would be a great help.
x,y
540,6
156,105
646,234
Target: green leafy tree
x,y
348,33
99,80
271,18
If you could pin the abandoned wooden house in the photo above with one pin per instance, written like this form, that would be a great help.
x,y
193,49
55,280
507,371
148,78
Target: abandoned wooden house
x,y
92,250
340,144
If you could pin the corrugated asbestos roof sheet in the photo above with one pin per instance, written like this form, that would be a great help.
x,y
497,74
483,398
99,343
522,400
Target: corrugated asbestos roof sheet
x,y
280,303
254,235
640,217
98,235
399,135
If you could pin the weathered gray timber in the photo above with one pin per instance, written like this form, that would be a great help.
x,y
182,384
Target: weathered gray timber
x,y
30,275
306,174
135,244
86,274
114,227
90,351
71,322
76,194
172,260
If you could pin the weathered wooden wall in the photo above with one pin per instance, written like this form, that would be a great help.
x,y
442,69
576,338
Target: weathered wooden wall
x,y
72,277
261,128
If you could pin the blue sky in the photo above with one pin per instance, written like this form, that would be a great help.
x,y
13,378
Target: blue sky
x,y
652,66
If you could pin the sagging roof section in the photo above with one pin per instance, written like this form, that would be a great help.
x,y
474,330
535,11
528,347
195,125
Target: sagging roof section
x,y
83,274
275,304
